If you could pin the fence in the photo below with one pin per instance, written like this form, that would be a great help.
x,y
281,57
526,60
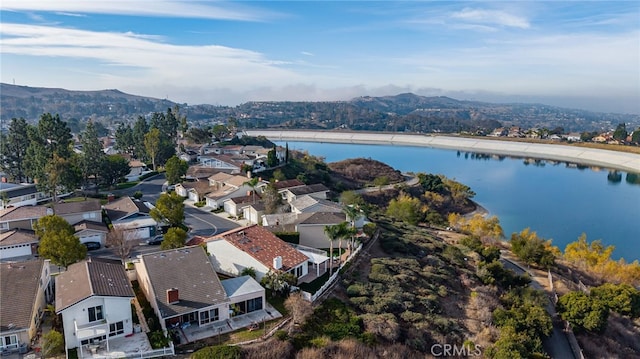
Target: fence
x,y
571,338
312,297
167,351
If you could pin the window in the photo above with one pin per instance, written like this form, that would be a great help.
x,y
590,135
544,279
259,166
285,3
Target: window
x,y
9,342
209,316
95,313
116,328
254,304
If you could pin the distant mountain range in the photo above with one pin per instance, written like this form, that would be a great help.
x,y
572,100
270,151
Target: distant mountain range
x,y
403,112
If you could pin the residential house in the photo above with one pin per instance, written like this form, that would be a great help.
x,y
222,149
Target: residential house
x,y
137,169
516,132
200,172
188,156
183,287
194,191
25,291
21,217
90,231
18,243
254,247
220,162
311,229
132,216
226,186
573,137
235,206
307,204
245,295
94,298
17,195
253,212
499,132
75,212
317,190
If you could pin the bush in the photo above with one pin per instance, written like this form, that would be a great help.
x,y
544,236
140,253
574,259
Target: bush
x,y
53,343
138,194
218,352
282,335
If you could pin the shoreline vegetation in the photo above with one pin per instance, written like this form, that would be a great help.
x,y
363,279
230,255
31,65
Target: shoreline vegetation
x,y
608,158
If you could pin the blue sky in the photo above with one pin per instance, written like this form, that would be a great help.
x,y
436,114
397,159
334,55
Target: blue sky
x,y
583,54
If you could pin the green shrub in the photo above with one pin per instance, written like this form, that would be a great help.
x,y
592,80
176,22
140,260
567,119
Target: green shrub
x,y
218,352
138,194
282,335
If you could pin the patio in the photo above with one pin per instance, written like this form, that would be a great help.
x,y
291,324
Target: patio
x,y
132,345
195,333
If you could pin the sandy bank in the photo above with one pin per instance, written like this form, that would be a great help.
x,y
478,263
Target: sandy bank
x,y
587,156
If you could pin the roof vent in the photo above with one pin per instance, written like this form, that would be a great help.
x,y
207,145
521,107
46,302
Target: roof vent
x,y
277,262
173,296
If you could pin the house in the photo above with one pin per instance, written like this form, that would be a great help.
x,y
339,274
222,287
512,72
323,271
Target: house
x,y
235,206
21,217
317,190
137,169
188,156
499,132
311,229
200,172
90,231
132,216
254,247
227,186
17,195
25,289
253,212
18,243
195,191
307,204
94,298
75,212
190,296
220,162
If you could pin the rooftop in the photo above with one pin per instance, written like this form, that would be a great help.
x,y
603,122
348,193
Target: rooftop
x,y
263,245
17,236
19,283
24,212
93,276
197,283
90,205
241,286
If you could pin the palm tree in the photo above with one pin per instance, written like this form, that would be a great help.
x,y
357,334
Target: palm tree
x,y
253,183
352,211
332,232
343,232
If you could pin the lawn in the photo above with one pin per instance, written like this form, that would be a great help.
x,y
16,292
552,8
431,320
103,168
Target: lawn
x,y
126,185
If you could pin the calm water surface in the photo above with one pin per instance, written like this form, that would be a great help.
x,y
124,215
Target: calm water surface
x,y
559,202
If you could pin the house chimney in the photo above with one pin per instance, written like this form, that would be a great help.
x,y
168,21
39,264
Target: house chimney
x,y
277,262
172,296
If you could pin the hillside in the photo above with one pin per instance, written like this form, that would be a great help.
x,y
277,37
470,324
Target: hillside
x,y
402,113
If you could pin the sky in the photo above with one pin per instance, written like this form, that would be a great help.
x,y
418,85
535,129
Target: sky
x,y
579,54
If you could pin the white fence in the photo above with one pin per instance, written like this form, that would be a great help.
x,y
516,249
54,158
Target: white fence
x,y
312,297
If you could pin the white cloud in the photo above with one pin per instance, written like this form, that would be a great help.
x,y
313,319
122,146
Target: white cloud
x,y
307,53
491,17
155,8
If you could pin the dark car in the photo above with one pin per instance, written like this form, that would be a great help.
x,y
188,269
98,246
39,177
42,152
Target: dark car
x,y
91,246
155,240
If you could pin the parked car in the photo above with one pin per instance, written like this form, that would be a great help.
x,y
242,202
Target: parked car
x,y
155,240
91,246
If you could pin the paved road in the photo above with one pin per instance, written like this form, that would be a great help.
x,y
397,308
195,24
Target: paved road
x,y
557,345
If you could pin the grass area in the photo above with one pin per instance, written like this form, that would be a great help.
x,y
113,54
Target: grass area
x,y
244,335
126,185
313,286
74,199
278,303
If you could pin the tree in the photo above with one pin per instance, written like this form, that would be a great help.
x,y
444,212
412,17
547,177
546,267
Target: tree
x,y
406,209
460,193
380,182
174,238
253,182
169,208
348,198
271,198
278,282
583,312
621,298
333,232
57,241
118,240
431,183
13,149
219,132
299,308
114,167
60,173
152,145
592,256
175,169
531,249
140,129
635,137
620,132
53,343
92,154
124,139
272,159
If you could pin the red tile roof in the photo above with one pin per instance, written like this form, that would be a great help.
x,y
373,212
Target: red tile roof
x,y
263,245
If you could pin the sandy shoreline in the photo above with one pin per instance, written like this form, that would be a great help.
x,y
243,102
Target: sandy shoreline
x,y
587,156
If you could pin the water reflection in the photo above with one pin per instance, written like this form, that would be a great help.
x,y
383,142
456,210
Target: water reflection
x,y
613,177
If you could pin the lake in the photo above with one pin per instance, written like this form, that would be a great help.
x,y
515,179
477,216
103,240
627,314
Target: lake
x,y
559,201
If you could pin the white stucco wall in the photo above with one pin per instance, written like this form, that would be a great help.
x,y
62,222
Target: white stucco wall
x,y
115,309
312,235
